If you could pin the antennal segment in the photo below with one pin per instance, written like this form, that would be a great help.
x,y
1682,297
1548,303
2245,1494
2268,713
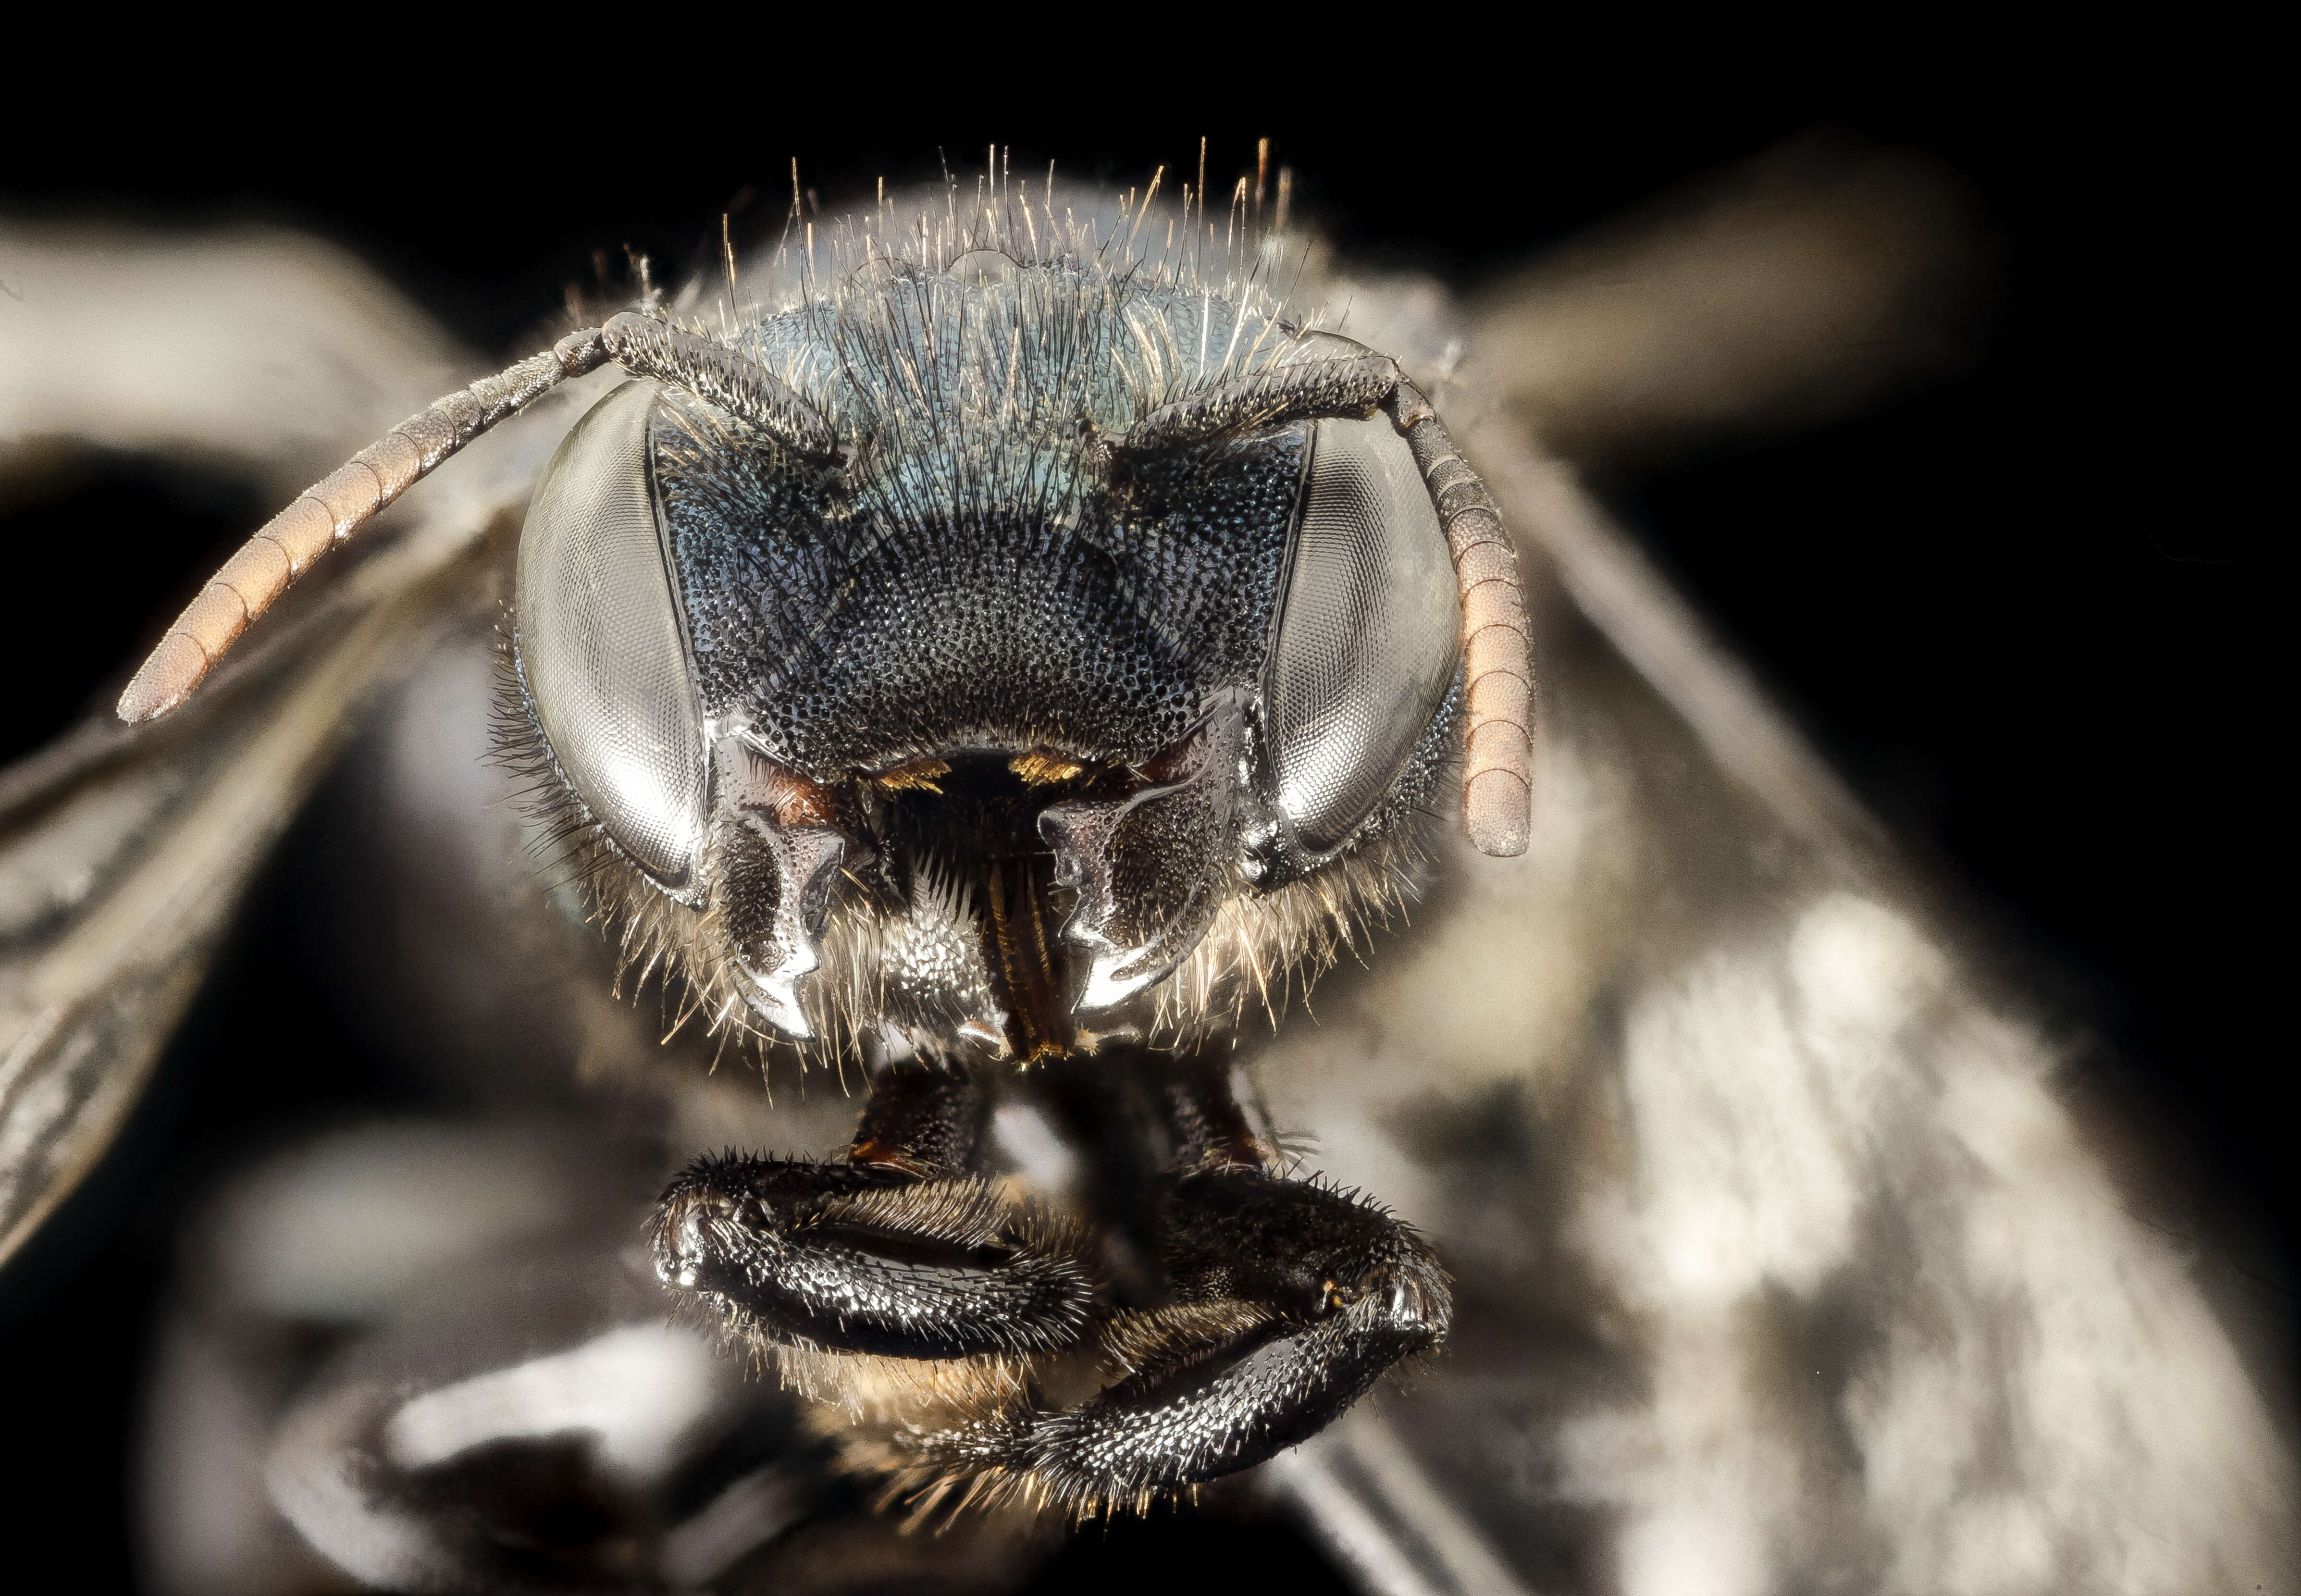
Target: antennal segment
x,y
332,509
1497,649
327,513
718,375
1353,388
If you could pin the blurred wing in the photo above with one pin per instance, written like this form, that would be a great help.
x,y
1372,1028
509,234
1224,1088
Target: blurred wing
x,y
124,852
1792,289
265,349
1780,1252
125,855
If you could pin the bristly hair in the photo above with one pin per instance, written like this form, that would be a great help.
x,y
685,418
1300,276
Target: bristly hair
x,y
1247,262
1269,949
958,342
682,951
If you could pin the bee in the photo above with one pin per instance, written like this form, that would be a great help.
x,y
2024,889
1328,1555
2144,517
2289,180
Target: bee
x,y
1014,653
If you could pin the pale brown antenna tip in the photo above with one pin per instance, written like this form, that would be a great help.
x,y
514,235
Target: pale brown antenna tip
x,y
1497,649
165,679
340,504
328,512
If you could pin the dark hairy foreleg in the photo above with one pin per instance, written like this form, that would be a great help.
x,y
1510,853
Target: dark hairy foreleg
x,y
1285,1301
902,1250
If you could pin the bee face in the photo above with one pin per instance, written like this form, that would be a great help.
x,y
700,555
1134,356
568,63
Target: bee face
x,y
986,734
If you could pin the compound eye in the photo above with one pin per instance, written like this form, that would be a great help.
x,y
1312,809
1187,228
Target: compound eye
x,y
602,653
1367,635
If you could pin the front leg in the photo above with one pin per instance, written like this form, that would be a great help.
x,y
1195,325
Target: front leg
x,y
903,1251
1291,1301
1285,1301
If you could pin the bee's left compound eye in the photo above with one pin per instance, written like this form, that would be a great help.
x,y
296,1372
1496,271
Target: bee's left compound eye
x,y
1368,634
601,651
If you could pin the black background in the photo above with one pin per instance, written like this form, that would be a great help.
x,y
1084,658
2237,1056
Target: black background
x,y
2027,609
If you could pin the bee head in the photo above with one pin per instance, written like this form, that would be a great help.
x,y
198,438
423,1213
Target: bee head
x,y
1094,683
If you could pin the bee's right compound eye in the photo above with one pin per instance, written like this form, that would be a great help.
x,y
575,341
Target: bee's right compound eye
x,y
603,656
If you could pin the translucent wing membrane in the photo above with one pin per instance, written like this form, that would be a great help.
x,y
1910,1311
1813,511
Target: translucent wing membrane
x,y
121,870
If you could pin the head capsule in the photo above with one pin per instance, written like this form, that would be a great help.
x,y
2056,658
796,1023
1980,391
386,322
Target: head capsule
x,y
1028,718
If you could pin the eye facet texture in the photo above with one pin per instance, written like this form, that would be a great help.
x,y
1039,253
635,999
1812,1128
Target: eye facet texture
x,y
1368,635
600,643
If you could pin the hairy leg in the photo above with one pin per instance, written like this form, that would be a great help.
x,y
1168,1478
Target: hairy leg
x,y
1281,1302
904,1250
